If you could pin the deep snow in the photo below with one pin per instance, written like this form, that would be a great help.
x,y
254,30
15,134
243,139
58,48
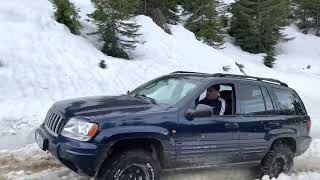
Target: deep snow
x,y
44,62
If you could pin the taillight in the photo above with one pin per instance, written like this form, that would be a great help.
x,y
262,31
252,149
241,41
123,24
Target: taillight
x,y
309,124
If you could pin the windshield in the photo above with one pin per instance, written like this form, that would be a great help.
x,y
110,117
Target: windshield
x,y
169,90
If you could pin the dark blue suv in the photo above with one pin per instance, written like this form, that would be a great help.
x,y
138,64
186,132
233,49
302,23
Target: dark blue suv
x,y
162,125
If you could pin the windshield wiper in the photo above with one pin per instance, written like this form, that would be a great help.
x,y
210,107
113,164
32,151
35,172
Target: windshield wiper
x,y
143,96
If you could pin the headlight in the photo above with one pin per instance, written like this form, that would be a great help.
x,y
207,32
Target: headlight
x,y
79,130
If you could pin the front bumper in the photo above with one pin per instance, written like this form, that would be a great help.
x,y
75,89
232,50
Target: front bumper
x,y
82,157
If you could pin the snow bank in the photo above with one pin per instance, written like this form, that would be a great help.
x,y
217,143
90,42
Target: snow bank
x,y
297,54
43,63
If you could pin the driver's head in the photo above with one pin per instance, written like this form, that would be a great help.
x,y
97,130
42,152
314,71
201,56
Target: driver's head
x,y
213,92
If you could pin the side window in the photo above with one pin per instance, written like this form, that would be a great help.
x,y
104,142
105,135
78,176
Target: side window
x,y
267,99
220,97
251,100
288,102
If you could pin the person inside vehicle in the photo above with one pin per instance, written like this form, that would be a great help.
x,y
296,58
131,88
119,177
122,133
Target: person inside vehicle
x,y
214,100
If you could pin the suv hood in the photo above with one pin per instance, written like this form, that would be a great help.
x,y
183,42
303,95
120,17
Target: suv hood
x,y
103,105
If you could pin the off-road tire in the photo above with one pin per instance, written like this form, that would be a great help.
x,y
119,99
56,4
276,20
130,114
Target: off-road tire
x,y
115,167
278,160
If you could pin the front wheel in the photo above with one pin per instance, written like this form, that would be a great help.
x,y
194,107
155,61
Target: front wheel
x,y
131,165
278,160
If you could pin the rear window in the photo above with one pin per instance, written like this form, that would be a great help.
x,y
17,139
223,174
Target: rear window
x,y
251,100
289,102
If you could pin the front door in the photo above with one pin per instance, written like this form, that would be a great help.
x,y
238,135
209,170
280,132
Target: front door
x,y
205,141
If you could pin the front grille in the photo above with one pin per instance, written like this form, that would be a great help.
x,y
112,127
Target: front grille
x,y
54,122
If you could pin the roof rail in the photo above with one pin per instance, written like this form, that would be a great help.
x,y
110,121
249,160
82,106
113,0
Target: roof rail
x,y
270,80
251,77
187,72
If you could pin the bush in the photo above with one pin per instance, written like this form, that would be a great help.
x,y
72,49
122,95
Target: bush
x,y
269,60
67,14
103,64
308,67
226,68
116,30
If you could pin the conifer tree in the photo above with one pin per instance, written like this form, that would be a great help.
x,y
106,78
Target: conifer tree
x,y
162,12
243,25
205,21
274,17
257,24
307,14
118,33
172,12
223,11
67,14
188,6
269,59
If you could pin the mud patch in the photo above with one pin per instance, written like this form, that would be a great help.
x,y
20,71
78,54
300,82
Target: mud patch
x,y
28,159
212,174
31,163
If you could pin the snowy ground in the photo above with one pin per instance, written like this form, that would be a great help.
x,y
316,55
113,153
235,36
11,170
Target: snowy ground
x,y
31,163
43,62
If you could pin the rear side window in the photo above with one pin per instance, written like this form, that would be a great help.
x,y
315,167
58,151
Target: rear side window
x,y
251,100
267,99
288,102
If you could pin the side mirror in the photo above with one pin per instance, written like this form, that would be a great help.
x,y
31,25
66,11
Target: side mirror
x,y
200,111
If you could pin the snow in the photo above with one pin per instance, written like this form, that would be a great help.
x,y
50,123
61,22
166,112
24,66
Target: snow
x,y
291,53
43,63
31,163
227,1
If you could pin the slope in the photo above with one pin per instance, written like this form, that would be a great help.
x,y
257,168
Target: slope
x,y
43,62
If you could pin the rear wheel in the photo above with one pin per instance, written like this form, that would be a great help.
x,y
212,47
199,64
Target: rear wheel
x,y
278,160
131,165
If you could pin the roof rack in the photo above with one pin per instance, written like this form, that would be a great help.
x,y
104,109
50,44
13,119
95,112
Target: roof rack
x,y
251,78
187,72
236,76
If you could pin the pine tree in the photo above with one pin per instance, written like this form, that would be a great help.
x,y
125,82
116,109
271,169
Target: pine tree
x,y
307,14
223,11
243,25
205,22
257,24
162,12
172,12
269,59
274,16
67,14
188,6
118,33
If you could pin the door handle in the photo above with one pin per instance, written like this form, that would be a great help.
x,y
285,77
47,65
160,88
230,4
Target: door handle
x,y
274,123
231,125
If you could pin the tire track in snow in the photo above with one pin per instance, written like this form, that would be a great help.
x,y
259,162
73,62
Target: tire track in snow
x,y
29,158
32,163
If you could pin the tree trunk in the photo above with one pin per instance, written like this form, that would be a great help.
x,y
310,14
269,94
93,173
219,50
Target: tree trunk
x,y
259,26
318,24
145,7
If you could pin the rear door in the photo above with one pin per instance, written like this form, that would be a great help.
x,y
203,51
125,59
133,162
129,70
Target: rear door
x,y
257,119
